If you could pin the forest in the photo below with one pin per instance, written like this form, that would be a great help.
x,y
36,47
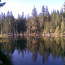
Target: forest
x,y
43,23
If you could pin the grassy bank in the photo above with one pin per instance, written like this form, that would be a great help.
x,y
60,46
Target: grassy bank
x,y
53,34
4,36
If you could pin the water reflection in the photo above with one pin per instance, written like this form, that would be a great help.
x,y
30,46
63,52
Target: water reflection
x,y
34,51
5,57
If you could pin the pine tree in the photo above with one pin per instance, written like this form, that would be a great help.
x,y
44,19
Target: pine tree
x,y
46,14
62,27
21,27
57,19
42,18
35,22
52,22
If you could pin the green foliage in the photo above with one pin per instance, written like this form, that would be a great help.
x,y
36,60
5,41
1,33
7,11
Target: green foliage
x,y
64,14
62,27
37,23
46,27
57,30
21,27
8,24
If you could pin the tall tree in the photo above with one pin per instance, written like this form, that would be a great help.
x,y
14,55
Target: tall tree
x,y
62,27
52,21
42,18
35,22
57,19
21,24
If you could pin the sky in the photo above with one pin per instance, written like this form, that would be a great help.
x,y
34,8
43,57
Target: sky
x,y
26,6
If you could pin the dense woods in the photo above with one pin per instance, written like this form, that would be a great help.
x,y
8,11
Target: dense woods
x,y
44,22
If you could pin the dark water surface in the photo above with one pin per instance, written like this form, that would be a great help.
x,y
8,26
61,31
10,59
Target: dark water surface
x,y
32,51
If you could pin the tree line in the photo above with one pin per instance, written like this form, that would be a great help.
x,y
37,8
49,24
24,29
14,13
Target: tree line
x,y
44,22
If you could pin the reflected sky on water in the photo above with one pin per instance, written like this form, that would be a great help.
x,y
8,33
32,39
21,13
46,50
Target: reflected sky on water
x,y
33,51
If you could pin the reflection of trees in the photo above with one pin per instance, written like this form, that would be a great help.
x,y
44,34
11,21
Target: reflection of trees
x,y
8,45
21,45
45,47
33,47
4,58
42,46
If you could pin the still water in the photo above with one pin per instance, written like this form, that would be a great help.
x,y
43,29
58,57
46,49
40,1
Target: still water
x,y
32,51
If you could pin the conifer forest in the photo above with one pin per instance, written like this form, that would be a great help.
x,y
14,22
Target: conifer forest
x,y
42,23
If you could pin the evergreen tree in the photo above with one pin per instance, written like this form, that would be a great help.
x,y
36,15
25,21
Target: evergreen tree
x,y
21,24
62,27
35,22
57,30
52,22
57,19
46,27
42,19
46,14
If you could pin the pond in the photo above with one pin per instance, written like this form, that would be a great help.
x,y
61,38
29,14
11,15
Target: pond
x,y
32,51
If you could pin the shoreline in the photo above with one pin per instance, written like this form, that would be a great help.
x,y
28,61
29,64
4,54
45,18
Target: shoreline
x,y
33,35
